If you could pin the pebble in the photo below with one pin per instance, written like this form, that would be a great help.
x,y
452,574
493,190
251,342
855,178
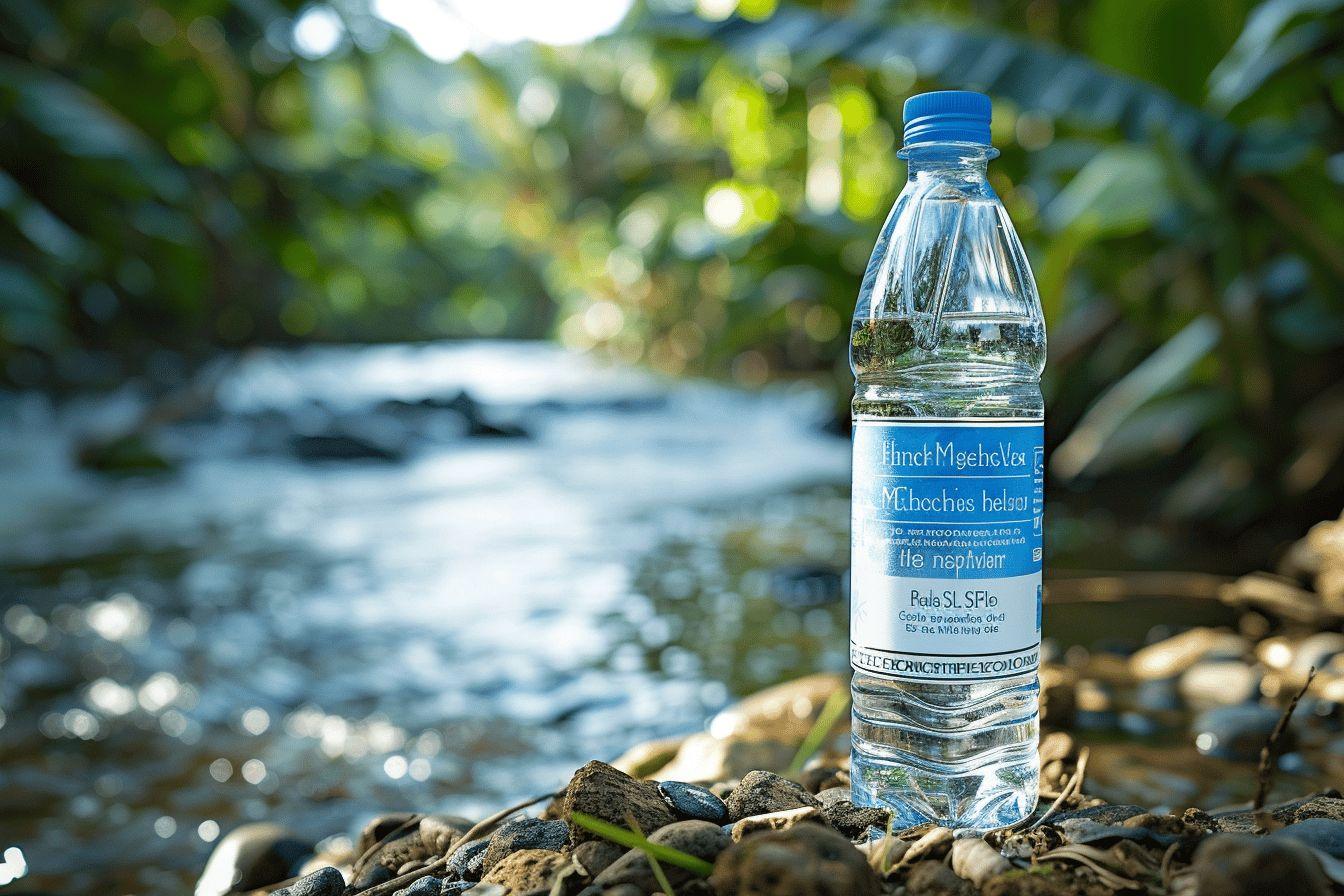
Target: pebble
x,y
1325,834
644,760
1250,865
607,793
933,878
439,832
776,821
762,792
1172,656
855,821
1220,683
785,712
596,855
425,886
252,856
372,875
526,870
1238,732
808,858
976,861
525,833
383,825
1107,813
704,757
323,882
467,859
690,801
702,839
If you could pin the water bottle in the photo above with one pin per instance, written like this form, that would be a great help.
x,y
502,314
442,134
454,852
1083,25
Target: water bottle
x,y
947,348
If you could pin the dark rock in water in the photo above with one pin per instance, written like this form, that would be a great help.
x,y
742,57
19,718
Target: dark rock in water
x,y
596,855
341,447
806,586
439,832
252,856
1104,814
525,833
607,793
807,858
322,882
425,886
372,875
1248,865
693,802
702,839
1238,732
934,878
467,860
763,792
526,870
1325,834
854,821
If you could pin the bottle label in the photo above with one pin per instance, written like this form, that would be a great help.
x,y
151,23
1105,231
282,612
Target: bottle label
x,y
945,579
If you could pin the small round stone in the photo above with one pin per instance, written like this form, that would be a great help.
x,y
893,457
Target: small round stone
x,y
322,882
693,802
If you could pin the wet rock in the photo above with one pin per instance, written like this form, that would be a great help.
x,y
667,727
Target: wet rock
x,y
1220,683
689,801
425,886
467,860
704,757
439,832
976,861
525,833
596,855
646,759
526,870
776,821
1104,814
763,792
323,882
1247,865
698,838
785,712
371,875
803,586
1326,805
252,856
1238,732
327,447
1325,834
603,792
808,859
855,821
932,878
1171,657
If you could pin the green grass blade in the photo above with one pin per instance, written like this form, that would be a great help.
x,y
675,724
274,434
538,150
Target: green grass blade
x,y
617,834
835,706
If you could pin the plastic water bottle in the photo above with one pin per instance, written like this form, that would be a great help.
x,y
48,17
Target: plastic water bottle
x,y
947,349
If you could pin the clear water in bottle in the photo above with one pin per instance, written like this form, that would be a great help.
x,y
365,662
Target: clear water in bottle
x,y
947,348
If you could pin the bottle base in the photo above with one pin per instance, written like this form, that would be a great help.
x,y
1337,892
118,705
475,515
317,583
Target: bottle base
x,y
990,796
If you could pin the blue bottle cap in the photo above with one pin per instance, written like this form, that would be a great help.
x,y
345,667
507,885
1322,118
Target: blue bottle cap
x,y
947,116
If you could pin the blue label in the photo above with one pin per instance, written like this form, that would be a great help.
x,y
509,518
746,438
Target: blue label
x,y
949,499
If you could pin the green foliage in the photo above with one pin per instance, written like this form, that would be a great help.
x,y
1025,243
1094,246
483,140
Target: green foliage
x,y
701,196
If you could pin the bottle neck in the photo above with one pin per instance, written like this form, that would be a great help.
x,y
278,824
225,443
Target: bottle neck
x,y
958,161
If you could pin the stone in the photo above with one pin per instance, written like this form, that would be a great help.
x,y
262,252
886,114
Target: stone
x,y
690,801
933,878
524,833
646,759
1325,834
1059,703
818,776
323,882
832,795
1249,865
762,792
252,856
595,856
425,886
599,790
776,821
439,832
1105,814
382,826
705,758
701,839
1238,732
371,875
1220,683
855,821
808,858
467,859
785,712
976,861
526,870
1172,656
